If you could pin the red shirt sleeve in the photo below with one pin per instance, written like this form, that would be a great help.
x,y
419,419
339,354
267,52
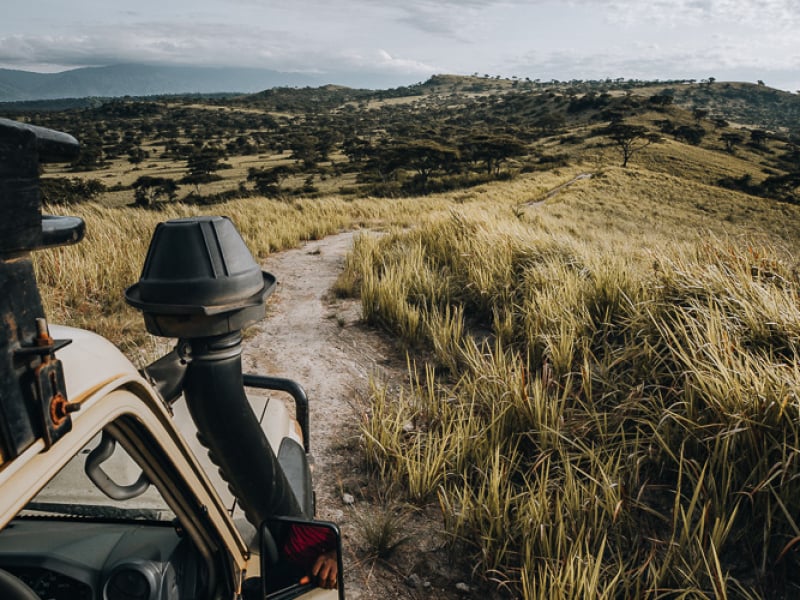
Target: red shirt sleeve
x,y
306,542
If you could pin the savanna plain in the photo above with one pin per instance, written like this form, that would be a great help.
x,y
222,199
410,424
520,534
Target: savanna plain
x,y
602,391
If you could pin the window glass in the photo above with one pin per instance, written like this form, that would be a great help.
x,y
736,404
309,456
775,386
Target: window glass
x,y
72,492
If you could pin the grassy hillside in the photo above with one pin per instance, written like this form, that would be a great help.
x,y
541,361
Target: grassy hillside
x,y
644,204
747,103
607,402
448,133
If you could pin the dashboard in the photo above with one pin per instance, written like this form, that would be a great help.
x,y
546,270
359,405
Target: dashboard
x,y
76,559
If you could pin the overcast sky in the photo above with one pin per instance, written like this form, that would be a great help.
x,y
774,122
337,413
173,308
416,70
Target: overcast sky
x,y
411,39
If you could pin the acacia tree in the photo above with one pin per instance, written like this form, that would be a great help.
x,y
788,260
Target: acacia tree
x,y
425,157
327,138
91,155
731,139
148,190
381,160
758,137
306,149
356,149
661,100
786,187
136,155
202,163
492,151
691,134
70,191
630,139
268,181
783,187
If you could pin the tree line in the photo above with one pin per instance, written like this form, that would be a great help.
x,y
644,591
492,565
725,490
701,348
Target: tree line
x,y
426,143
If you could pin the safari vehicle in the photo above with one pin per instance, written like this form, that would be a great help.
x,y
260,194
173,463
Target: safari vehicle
x,y
159,484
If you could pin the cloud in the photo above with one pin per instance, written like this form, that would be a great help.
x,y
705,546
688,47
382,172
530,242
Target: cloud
x,y
562,38
405,65
143,42
775,59
454,19
669,39
434,15
202,45
761,14
449,5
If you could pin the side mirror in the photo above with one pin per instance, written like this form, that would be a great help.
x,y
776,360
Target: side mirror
x,y
301,559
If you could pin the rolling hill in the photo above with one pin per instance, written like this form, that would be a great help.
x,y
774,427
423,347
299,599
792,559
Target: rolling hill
x,y
140,80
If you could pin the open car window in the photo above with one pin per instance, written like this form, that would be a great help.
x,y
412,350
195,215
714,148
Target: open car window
x,y
71,492
74,541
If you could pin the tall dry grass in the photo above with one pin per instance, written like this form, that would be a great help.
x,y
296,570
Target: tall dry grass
x,y
610,415
83,285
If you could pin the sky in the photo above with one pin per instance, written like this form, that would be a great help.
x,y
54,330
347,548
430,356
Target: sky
x,y
406,41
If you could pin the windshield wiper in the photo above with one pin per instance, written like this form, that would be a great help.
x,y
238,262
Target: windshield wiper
x,y
96,511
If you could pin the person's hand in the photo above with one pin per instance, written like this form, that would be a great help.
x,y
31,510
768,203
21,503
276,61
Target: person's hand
x,y
326,570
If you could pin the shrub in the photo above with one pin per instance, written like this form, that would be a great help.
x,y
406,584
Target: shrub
x,y
70,191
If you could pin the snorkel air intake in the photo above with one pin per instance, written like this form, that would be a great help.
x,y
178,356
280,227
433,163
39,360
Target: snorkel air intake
x,y
201,284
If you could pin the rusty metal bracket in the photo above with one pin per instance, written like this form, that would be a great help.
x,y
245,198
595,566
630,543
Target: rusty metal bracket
x,y
49,391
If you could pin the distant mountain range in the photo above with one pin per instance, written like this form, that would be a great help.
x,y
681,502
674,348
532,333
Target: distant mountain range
x,y
145,80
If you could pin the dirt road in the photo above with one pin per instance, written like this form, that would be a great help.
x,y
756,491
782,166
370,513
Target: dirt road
x,y
319,341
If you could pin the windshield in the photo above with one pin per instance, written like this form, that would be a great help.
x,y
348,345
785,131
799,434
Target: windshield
x,y
72,492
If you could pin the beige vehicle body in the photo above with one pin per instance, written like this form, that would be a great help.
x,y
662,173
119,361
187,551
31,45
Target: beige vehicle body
x,y
162,441
110,392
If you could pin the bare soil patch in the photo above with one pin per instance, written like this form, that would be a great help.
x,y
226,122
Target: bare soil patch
x,y
555,191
